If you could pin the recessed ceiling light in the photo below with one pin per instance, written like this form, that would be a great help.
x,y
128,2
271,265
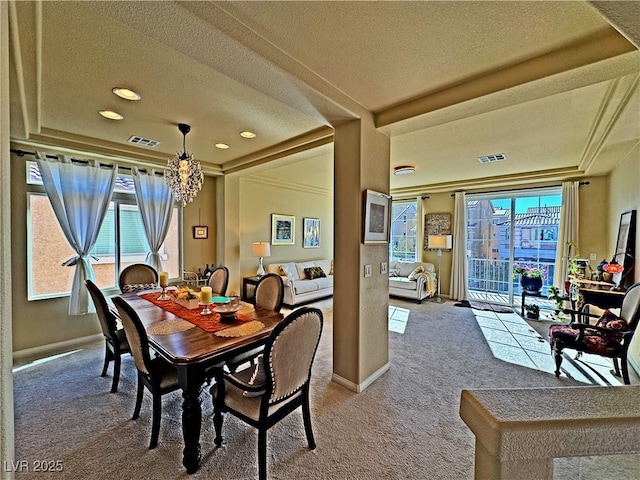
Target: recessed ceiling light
x,y
404,170
221,146
110,114
247,134
126,93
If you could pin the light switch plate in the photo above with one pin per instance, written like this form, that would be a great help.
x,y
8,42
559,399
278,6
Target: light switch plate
x,y
383,268
367,270
592,256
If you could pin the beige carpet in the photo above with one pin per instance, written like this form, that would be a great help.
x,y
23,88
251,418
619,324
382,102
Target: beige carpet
x,y
404,426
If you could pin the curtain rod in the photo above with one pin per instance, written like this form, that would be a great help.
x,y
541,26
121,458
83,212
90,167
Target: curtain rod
x,y
22,153
521,189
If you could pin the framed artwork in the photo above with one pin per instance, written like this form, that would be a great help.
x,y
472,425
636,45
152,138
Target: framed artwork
x,y
311,233
377,217
200,232
283,229
436,224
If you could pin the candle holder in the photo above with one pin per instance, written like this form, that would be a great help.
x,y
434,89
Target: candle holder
x,y
205,310
163,295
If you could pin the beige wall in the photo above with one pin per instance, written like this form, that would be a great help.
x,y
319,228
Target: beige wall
x,y
43,322
259,199
624,195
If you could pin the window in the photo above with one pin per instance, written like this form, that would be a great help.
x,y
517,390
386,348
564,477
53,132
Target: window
x,y
403,230
121,242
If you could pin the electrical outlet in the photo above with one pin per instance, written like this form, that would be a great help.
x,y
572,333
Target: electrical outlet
x,y
367,271
383,268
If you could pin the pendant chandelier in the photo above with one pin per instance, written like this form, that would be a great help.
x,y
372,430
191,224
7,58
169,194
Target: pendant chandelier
x,y
184,174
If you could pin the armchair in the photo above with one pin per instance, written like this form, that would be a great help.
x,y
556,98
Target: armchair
x,y
609,337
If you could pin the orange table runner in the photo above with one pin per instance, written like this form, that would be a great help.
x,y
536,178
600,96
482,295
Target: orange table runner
x,y
209,323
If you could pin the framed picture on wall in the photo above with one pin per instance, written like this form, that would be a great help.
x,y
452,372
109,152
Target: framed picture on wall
x,y
283,229
200,232
311,233
377,217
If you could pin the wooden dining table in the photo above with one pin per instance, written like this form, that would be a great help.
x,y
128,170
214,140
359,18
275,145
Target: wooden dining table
x,y
193,351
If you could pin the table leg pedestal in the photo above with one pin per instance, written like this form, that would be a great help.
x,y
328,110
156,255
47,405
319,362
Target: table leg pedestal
x,y
191,423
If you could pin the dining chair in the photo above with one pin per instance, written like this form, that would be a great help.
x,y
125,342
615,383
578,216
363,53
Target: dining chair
x,y
138,277
156,374
269,294
610,337
219,279
115,339
277,386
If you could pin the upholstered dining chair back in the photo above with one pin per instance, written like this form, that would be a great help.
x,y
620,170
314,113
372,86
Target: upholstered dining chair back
x,y
270,292
219,280
137,277
290,352
106,317
136,334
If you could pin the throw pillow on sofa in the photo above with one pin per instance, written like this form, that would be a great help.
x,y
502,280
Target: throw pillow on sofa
x,y
283,270
314,272
415,272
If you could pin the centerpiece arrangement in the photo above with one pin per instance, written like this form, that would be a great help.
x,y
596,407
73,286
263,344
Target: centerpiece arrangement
x,y
187,297
530,277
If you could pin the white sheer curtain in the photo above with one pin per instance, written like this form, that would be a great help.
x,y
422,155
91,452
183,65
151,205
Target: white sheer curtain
x,y
458,285
567,231
79,193
155,203
419,229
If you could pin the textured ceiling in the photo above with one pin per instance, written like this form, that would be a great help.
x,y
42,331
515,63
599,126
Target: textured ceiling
x,y
550,84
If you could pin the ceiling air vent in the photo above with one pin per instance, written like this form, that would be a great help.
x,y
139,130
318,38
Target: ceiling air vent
x,y
145,142
492,158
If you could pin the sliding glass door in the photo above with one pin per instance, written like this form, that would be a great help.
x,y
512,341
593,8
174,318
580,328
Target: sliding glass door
x,y
510,227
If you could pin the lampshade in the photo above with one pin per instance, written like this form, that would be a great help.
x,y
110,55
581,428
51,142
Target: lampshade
x,y
440,241
261,249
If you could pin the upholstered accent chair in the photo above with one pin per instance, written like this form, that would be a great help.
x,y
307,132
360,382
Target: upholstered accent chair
x,y
115,338
277,386
156,374
609,337
138,277
219,280
269,294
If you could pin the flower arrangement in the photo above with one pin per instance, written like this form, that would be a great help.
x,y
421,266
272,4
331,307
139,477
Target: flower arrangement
x,y
527,271
185,293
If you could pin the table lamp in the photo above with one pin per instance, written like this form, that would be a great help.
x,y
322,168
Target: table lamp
x,y
261,249
439,242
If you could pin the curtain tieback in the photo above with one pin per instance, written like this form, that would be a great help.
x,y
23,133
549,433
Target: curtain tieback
x,y
71,261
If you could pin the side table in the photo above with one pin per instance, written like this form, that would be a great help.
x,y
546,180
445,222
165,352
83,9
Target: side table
x,y
249,285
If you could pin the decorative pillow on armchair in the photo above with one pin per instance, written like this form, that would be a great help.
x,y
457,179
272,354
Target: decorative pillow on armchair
x,y
416,271
314,272
612,321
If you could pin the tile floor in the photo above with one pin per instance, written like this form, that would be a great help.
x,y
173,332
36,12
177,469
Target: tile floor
x,y
513,340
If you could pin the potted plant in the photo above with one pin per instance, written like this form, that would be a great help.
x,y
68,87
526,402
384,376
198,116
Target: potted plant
x,y
533,311
554,294
530,277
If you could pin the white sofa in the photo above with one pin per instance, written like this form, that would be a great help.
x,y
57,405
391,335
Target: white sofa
x,y
299,289
423,284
